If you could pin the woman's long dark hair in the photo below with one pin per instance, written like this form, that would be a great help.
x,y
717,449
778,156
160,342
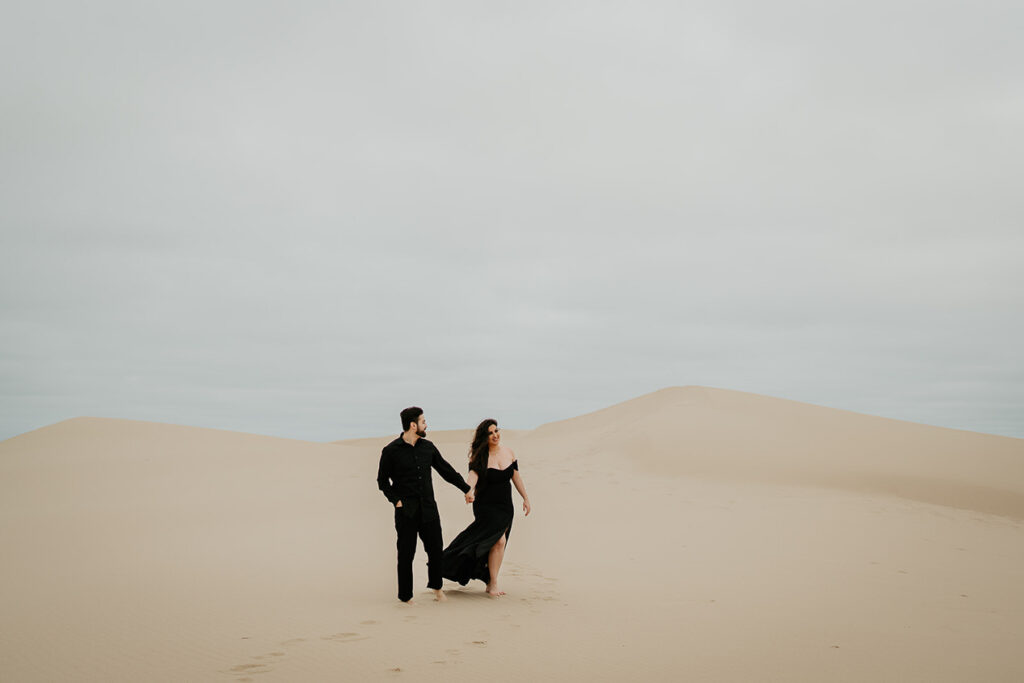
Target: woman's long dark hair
x,y
480,449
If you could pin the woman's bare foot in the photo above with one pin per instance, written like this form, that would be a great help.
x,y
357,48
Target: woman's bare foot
x,y
493,591
439,596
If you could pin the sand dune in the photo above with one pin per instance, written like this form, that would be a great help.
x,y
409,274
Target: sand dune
x,y
693,533
454,443
700,431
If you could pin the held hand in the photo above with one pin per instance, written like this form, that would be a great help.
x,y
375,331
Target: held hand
x,y
469,497
398,504
526,507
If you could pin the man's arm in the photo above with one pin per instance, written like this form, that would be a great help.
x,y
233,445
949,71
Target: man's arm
x,y
384,476
448,472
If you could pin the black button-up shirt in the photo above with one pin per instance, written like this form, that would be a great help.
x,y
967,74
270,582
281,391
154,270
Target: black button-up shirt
x,y
404,475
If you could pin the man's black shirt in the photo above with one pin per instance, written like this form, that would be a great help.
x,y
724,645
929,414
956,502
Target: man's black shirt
x,y
404,475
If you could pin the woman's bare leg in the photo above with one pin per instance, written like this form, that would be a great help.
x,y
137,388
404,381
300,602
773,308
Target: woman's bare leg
x,y
494,558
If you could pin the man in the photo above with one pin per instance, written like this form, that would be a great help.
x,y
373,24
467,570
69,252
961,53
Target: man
x,y
405,478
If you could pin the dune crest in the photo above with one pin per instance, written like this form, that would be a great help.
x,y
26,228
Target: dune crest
x,y
733,435
703,431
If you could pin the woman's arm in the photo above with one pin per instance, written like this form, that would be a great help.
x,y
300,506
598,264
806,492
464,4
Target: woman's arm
x,y
471,480
521,487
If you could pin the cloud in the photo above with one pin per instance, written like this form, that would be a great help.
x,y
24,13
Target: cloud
x,y
297,219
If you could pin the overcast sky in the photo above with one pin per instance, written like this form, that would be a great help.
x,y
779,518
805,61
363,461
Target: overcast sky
x,y
298,218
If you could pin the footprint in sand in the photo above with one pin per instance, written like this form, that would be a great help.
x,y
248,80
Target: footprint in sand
x,y
251,669
346,637
481,643
294,641
368,622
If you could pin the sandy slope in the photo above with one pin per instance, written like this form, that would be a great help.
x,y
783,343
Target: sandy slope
x,y
693,533
700,431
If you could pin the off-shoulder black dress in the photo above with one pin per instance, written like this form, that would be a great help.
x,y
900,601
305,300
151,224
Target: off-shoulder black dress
x,y
465,557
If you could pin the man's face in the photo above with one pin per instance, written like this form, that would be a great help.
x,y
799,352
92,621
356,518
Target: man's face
x,y
421,427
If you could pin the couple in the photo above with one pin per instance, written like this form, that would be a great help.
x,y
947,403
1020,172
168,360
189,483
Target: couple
x,y
405,478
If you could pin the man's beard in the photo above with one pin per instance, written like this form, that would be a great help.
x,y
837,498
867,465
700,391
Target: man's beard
x,y
421,433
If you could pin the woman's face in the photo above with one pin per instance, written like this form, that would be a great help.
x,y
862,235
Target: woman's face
x,y
493,435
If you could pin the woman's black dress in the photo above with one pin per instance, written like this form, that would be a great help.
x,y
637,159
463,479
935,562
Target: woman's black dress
x,y
465,557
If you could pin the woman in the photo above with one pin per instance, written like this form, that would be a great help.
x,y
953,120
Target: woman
x,y
477,552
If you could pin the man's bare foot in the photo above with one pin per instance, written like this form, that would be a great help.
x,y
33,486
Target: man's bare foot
x,y
439,596
408,603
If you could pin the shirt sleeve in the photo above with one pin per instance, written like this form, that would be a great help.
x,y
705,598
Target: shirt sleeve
x,y
448,472
384,476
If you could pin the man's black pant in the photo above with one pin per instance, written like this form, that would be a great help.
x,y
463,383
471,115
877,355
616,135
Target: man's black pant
x,y
429,529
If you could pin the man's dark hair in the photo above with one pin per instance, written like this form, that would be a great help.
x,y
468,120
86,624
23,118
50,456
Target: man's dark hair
x,y
410,415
